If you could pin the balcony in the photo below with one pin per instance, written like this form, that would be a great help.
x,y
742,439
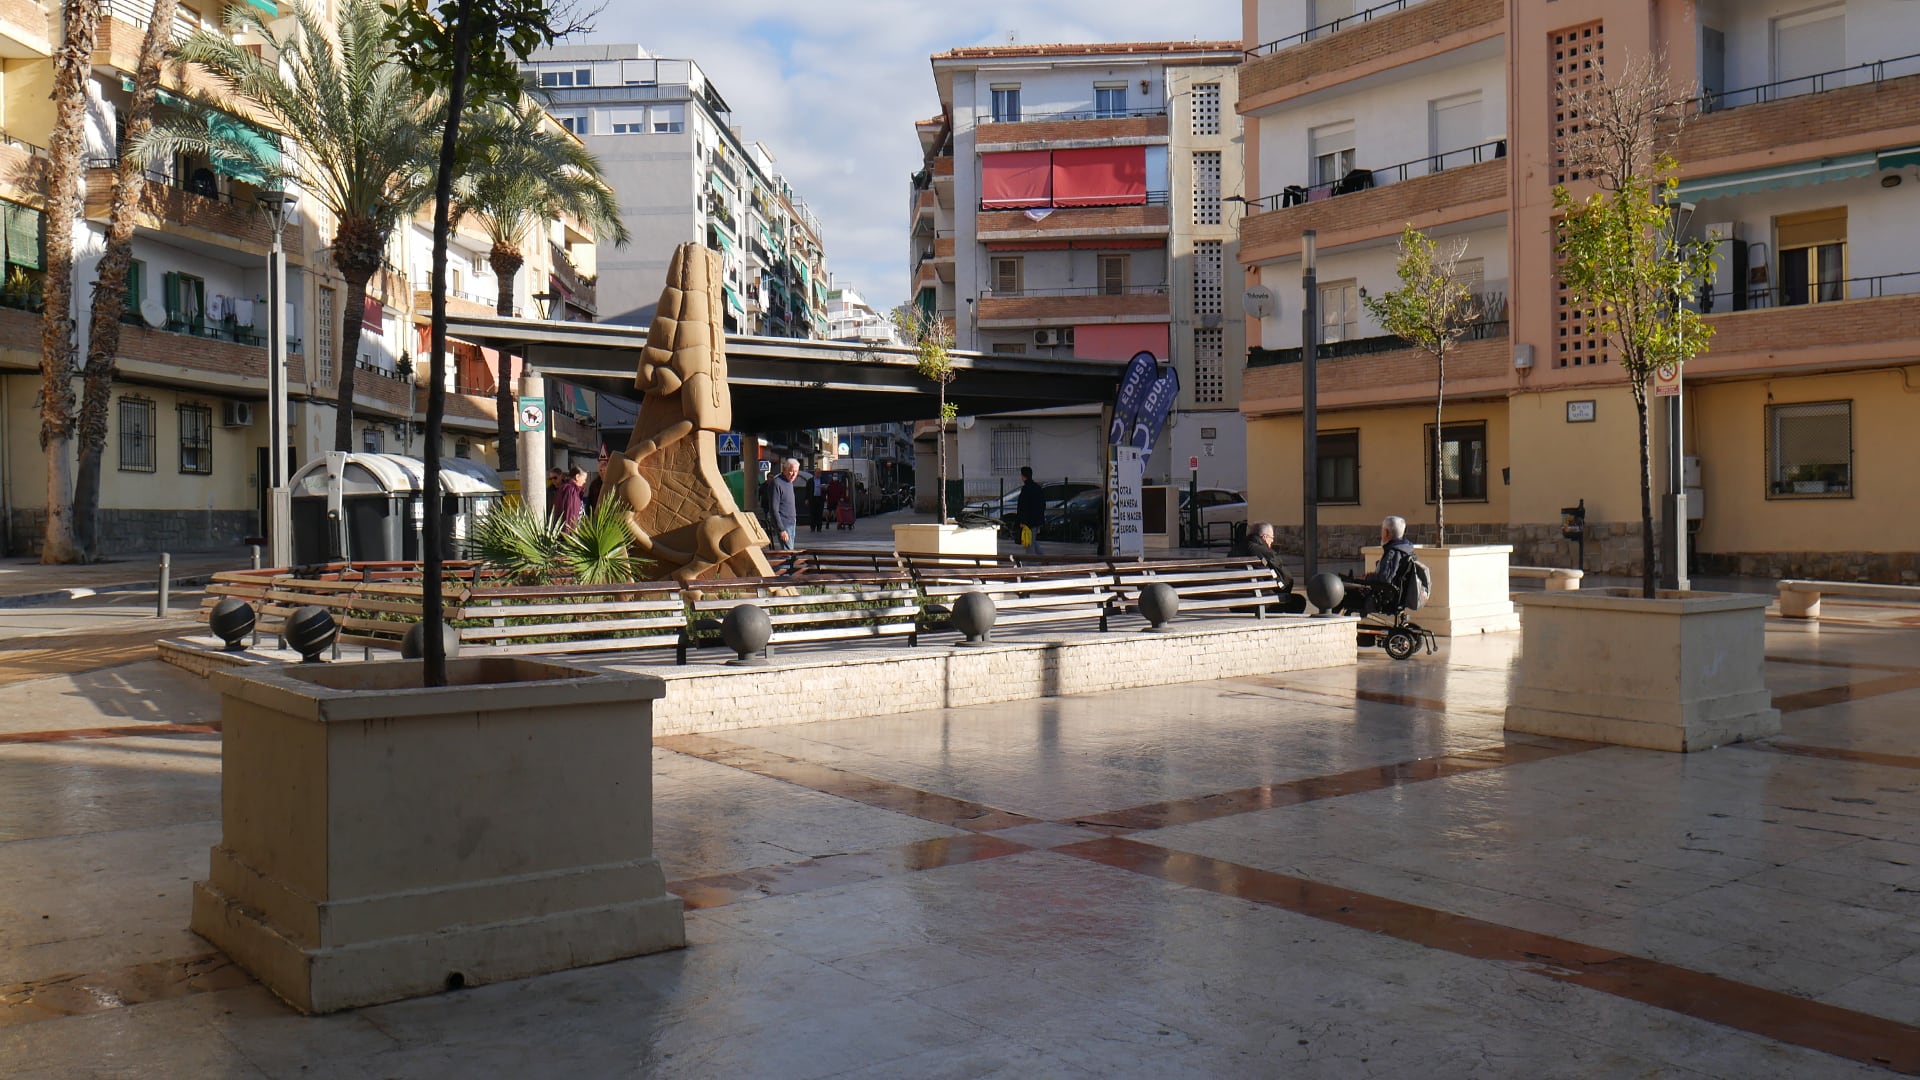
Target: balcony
x,y
1378,371
1118,127
1380,202
117,46
1380,38
458,303
1149,219
1846,110
20,331
213,218
206,356
1068,307
383,389
1866,320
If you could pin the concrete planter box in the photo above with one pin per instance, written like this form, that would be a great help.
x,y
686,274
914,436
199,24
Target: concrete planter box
x,y
1470,589
1683,671
931,539
382,840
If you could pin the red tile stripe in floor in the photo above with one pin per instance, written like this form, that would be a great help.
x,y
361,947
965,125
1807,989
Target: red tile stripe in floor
x,y
130,731
1773,1015
718,890
1835,753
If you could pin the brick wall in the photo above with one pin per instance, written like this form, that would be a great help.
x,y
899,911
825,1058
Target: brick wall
x,y
1016,225
1748,339
423,305
1074,308
1380,211
1865,110
943,166
1278,76
943,247
29,15
989,136
193,353
20,330
391,396
1392,376
1612,547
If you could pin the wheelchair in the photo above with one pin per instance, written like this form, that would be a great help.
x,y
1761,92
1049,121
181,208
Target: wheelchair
x,y
1384,619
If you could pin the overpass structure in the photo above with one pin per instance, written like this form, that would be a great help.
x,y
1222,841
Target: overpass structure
x,y
786,383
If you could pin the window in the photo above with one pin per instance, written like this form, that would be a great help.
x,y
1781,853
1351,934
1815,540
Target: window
x,y
1810,449
1017,348
186,298
1453,124
1007,276
1339,311
25,233
669,119
323,323
1109,100
1012,447
575,122
1006,104
138,439
1339,459
575,77
196,439
136,286
1463,461
1206,187
1806,44
1332,153
1209,270
1206,109
1209,368
1813,255
373,440
627,121
1113,275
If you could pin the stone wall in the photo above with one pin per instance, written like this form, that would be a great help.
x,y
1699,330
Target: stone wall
x,y
126,532
1612,547
1887,568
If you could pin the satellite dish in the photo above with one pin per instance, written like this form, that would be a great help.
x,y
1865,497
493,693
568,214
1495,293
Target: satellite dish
x,y
1260,303
154,311
966,423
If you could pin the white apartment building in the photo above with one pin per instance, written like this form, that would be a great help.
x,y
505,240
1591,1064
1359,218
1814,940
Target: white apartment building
x,y
1081,201
851,318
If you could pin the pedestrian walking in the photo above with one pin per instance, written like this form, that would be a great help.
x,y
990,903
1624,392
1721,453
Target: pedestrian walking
x,y
570,499
783,507
1031,511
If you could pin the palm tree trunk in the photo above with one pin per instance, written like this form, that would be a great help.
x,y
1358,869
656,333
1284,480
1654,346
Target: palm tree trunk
x,y
1439,439
506,268
110,288
359,249
72,65
1646,491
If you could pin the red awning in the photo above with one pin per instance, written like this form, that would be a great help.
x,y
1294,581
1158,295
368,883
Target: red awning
x,y
1118,341
1011,181
374,317
1100,176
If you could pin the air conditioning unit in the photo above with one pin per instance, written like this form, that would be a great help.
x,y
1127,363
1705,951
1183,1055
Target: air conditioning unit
x,y
1066,336
1046,337
237,414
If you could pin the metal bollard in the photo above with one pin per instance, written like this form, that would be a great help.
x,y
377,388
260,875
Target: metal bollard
x,y
256,555
166,582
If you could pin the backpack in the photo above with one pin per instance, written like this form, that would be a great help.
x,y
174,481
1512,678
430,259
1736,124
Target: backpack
x,y
1416,587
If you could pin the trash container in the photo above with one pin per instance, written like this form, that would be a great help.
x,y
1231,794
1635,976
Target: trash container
x,y
368,508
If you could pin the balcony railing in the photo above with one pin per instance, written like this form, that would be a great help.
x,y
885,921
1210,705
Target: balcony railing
x,y
1078,290
1079,114
1874,73
1362,179
1315,32
1825,292
1367,346
1154,198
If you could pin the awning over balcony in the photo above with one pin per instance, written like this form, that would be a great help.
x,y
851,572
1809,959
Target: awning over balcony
x,y
266,6
1778,177
1100,176
1012,181
256,152
1899,159
733,299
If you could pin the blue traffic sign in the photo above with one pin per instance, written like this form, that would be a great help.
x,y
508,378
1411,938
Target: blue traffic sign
x,y
729,442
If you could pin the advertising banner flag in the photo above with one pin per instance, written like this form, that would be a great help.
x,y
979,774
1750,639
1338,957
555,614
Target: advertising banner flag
x,y
1134,385
1153,411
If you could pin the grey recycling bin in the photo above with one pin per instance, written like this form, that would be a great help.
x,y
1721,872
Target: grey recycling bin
x,y
368,507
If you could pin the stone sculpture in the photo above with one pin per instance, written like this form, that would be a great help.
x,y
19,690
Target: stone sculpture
x,y
682,514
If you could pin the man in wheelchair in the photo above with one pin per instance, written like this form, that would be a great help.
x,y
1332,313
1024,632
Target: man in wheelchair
x,y
1383,598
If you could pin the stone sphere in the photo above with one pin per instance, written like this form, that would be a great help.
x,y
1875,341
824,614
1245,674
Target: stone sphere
x,y
973,616
414,645
746,630
1326,590
231,621
1159,603
310,630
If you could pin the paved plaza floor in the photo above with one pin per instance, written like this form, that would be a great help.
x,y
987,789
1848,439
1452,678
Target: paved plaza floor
x,y
1342,873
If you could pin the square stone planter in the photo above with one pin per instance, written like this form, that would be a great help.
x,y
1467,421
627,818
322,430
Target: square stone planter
x,y
926,538
382,840
1471,593
1684,671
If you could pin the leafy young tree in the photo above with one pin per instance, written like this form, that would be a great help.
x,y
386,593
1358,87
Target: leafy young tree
x,y
72,66
933,342
1623,262
364,129
110,284
523,174
1430,310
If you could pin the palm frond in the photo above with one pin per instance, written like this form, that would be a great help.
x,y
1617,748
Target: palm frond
x,y
596,549
510,539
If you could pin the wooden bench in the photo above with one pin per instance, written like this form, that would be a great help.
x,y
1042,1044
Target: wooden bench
x,y
1021,596
916,562
573,619
1801,599
831,561
1557,579
851,609
1234,585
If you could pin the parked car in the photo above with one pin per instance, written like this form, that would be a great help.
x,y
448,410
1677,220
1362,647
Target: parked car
x,y
1005,508
1078,520
1217,506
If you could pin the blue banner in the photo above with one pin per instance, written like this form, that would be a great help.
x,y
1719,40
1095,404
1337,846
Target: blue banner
x,y
1134,385
1153,411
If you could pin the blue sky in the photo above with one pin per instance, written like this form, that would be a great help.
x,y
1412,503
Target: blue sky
x,y
832,87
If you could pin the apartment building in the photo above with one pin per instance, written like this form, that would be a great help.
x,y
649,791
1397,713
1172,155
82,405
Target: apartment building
x,y
1081,201
851,318
668,147
1799,156
185,460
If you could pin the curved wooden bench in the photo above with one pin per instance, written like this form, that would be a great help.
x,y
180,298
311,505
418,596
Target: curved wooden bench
x,y
852,609
1234,585
1801,599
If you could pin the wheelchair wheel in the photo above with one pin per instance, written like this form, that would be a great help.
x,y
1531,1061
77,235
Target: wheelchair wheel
x,y
1400,644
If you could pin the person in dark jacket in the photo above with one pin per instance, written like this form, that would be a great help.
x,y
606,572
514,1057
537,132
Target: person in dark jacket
x,y
1368,594
1030,512
1260,546
570,500
783,506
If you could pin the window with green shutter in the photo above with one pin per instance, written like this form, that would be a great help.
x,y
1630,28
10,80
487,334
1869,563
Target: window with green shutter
x,y
26,239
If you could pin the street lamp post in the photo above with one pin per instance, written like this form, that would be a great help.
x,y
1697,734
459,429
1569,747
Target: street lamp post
x,y
1309,409
277,204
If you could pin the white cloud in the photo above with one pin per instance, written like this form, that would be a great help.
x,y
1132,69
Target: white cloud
x,y
832,87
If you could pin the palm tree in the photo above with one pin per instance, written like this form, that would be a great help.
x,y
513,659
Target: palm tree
x,y
523,173
366,134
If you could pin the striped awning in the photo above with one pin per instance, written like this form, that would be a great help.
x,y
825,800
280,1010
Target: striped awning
x,y
1778,177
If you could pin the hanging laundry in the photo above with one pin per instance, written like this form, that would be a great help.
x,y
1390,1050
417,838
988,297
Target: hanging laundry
x,y
216,307
243,311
